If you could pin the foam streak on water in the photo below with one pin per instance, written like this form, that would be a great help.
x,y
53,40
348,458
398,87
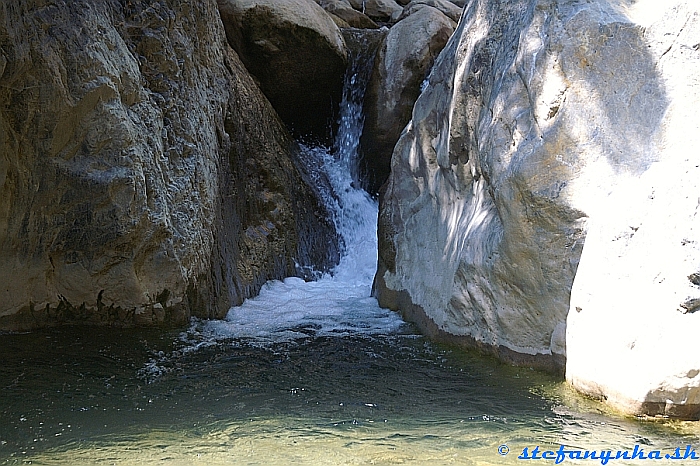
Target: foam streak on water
x,y
337,304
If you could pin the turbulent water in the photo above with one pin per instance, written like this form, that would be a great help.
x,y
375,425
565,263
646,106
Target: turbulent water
x,y
305,373
339,303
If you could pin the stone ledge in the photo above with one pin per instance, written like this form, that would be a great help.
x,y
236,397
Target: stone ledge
x,y
33,316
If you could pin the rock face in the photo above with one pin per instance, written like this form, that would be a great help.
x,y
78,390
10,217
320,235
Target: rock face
x,y
143,176
297,54
447,8
378,10
402,63
343,10
459,3
633,324
535,111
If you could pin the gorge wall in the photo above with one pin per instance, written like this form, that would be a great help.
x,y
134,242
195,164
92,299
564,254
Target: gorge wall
x,y
543,121
297,55
542,203
144,177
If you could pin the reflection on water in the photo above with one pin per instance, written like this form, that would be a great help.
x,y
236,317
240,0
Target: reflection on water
x,y
78,396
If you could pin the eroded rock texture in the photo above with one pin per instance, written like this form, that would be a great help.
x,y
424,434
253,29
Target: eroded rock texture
x,y
403,61
143,176
297,54
535,112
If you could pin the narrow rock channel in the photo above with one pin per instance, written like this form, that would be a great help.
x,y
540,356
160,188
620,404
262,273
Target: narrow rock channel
x,y
348,231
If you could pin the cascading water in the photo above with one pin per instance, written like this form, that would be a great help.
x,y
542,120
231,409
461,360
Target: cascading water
x,y
306,373
352,117
338,303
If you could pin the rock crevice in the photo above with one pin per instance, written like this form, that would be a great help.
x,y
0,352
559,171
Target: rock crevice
x,y
144,177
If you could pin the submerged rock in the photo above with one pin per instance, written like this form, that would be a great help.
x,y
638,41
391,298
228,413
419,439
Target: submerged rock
x,y
144,178
297,54
534,113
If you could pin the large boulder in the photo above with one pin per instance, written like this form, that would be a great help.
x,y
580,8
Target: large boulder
x,y
343,10
633,323
402,63
144,177
534,113
297,54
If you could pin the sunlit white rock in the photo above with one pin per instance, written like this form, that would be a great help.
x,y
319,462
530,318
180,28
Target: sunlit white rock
x,y
632,330
538,116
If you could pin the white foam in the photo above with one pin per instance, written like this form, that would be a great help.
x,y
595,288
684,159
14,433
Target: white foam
x,y
337,304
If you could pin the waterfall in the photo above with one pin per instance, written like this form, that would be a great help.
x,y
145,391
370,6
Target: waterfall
x,y
352,118
339,302
362,45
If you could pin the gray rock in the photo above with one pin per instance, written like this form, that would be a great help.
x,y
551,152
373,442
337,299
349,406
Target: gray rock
x,y
144,178
297,54
340,22
343,10
402,63
634,340
378,10
535,112
447,8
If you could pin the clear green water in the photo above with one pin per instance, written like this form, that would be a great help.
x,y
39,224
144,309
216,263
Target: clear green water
x,y
106,396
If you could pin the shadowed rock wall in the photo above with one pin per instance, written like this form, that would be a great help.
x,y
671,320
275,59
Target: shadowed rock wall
x,y
143,176
296,53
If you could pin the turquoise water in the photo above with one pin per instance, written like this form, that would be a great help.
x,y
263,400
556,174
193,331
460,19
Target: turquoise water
x,y
106,396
